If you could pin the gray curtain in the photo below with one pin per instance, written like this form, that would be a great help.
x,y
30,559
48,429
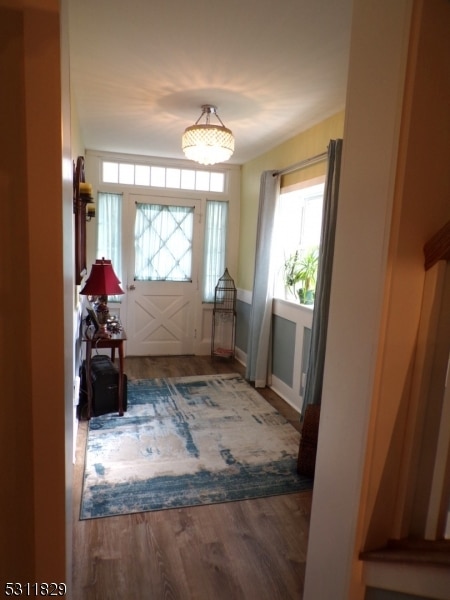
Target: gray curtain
x,y
260,326
316,361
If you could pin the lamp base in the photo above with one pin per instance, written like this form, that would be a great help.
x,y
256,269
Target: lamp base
x,y
103,331
102,312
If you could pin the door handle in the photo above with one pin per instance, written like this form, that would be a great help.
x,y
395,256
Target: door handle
x,y
131,287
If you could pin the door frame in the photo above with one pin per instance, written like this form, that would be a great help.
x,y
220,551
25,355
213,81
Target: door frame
x,y
183,289
231,193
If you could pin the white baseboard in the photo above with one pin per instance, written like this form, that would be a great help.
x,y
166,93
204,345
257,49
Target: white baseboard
x,y
279,387
240,356
287,393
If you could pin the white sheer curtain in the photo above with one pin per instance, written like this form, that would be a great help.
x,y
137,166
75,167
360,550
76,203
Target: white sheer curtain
x,y
214,254
260,327
109,228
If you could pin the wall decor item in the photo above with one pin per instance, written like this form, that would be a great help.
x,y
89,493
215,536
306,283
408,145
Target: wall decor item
x,y
82,195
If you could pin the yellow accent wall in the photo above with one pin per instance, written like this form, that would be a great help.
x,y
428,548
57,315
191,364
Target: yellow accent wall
x,y
309,143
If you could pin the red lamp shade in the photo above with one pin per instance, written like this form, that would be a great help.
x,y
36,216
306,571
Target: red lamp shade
x,y
102,280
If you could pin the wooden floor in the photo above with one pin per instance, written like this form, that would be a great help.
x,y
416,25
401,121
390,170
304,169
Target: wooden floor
x,y
249,550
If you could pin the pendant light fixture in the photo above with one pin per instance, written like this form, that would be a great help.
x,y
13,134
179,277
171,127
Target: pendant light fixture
x,y
205,143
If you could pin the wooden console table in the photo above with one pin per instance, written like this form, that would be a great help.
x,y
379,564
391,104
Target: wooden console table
x,y
94,342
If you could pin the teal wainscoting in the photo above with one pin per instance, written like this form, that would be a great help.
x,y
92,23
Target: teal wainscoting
x,y
291,337
283,349
242,321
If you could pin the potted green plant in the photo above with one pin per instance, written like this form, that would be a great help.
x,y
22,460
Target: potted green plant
x,y
307,274
291,273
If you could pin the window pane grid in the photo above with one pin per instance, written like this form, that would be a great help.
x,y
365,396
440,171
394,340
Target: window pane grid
x,y
163,242
158,177
126,173
202,181
142,175
110,172
163,177
187,179
217,182
173,178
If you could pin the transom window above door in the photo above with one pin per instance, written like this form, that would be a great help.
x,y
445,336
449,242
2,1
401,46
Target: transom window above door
x,y
163,177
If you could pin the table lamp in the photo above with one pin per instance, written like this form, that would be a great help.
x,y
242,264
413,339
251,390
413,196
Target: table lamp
x,y
102,282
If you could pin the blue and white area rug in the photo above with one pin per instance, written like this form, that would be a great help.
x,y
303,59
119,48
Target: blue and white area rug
x,y
187,441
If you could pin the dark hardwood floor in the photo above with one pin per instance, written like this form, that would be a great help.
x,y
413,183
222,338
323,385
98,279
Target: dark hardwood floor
x,y
249,550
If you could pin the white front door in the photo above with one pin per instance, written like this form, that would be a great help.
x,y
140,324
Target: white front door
x,y
164,240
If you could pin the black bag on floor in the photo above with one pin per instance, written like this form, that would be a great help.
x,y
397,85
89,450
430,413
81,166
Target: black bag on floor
x,y
105,387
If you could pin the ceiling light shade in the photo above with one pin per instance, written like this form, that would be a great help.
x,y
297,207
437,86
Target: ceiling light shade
x,y
205,143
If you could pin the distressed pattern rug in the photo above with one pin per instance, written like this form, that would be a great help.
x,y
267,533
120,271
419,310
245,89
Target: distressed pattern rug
x,y
187,441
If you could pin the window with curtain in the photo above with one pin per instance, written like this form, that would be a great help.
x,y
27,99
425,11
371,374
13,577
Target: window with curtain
x,y
163,242
109,232
297,232
215,246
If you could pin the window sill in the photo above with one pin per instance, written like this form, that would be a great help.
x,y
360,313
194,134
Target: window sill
x,y
292,303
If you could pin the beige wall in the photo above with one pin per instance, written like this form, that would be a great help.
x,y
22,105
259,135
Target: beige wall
x,y
304,145
32,425
394,195
422,207
77,143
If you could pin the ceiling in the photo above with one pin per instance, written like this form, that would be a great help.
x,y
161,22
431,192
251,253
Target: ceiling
x,y
140,70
